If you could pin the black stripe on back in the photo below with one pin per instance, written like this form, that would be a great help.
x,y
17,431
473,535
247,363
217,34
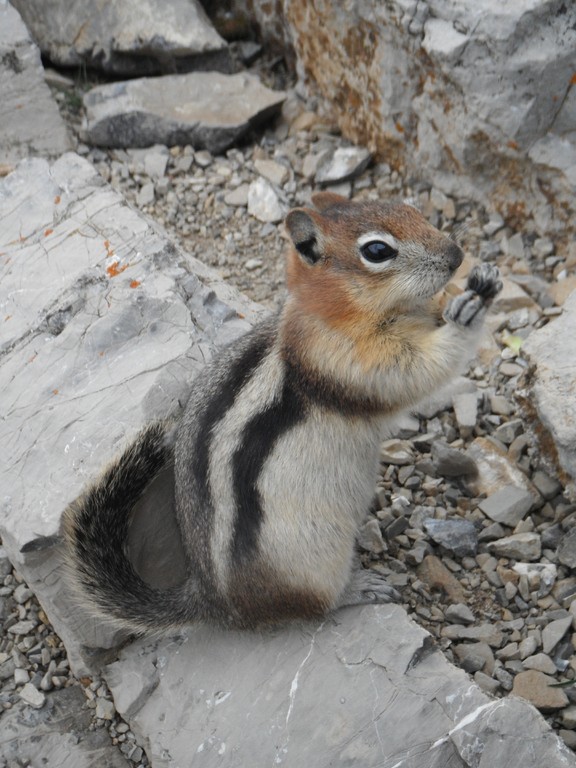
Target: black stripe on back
x,y
301,389
219,403
258,440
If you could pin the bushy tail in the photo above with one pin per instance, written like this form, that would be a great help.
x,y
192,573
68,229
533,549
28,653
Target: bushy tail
x,y
96,529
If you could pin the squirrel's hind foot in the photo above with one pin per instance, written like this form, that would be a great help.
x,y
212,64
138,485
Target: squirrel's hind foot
x,y
368,586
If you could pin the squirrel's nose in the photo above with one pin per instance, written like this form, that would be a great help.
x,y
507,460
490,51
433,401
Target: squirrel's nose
x,y
454,255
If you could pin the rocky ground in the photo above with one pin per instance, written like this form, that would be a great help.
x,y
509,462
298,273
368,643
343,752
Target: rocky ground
x,y
470,522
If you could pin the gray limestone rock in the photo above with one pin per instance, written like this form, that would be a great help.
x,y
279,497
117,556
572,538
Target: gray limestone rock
x,y
56,735
540,662
337,692
509,505
451,462
458,536
472,656
554,632
264,203
276,173
459,613
509,431
369,537
205,109
444,398
128,37
527,647
496,470
466,411
547,486
30,123
32,696
567,549
238,197
346,163
397,452
519,546
112,327
552,354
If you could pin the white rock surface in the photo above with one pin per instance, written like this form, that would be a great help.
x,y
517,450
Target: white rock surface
x,y
30,123
122,36
205,109
105,323
551,352
346,163
264,203
339,692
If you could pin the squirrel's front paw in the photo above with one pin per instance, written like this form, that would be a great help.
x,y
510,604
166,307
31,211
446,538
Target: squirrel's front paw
x,y
468,309
484,280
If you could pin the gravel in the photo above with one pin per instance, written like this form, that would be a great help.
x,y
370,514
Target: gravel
x,y
489,608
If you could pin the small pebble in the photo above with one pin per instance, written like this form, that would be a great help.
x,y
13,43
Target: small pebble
x,y
32,696
458,613
105,709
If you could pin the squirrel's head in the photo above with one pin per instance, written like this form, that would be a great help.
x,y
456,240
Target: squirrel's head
x,y
367,256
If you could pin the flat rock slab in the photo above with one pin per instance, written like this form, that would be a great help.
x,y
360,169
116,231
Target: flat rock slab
x,y
30,123
104,325
339,692
123,36
206,109
552,353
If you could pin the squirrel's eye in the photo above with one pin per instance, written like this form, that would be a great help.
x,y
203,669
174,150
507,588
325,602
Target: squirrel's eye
x,y
377,251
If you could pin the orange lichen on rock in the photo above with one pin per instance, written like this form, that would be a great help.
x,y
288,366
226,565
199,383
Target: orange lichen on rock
x,y
115,269
57,199
48,232
134,283
109,249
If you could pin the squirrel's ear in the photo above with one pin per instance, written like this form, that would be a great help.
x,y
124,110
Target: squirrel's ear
x,y
304,233
323,200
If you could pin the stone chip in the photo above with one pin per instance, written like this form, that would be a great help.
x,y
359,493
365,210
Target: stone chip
x,y
207,110
554,632
536,687
346,163
519,546
508,506
457,535
32,696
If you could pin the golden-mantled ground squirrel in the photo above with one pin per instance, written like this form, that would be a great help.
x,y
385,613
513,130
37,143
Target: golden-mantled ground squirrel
x,y
277,453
